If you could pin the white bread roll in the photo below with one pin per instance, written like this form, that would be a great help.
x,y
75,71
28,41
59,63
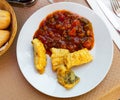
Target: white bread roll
x,y
4,36
5,19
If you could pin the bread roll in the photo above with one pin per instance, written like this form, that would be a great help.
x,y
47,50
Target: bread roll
x,y
5,19
4,36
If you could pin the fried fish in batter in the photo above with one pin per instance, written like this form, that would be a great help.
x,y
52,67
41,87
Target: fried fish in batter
x,y
66,77
57,57
77,58
39,55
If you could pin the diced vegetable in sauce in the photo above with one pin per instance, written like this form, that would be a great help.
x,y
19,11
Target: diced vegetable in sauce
x,y
64,29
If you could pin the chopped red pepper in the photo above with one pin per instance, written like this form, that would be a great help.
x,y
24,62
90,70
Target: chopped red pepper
x,y
75,23
72,32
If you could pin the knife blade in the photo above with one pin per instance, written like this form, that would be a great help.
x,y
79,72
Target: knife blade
x,y
109,15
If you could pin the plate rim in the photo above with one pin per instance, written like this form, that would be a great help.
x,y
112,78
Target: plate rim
x,y
39,22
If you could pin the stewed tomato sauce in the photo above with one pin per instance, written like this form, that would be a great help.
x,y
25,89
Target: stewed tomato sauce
x,y
64,29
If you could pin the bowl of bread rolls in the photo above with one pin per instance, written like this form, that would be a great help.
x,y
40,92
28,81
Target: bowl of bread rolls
x,y
8,26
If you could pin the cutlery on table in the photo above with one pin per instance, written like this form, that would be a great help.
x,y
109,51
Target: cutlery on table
x,y
108,17
116,7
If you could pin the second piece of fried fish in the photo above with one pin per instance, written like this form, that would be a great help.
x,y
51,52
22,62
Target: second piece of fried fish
x,y
77,58
57,57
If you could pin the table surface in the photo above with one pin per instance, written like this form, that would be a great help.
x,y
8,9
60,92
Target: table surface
x,y
13,85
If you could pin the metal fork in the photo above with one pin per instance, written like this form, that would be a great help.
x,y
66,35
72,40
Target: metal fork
x,y
116,7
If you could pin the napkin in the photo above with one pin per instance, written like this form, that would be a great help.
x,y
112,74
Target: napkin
x,y
114,34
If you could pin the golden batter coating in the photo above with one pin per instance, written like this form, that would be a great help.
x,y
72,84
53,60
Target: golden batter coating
x,y
67,78
57,57
77,58
39,55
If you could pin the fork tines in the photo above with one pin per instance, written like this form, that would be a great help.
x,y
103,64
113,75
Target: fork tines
x,y
116,7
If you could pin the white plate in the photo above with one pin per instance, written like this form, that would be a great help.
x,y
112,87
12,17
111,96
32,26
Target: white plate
x,y
91,74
